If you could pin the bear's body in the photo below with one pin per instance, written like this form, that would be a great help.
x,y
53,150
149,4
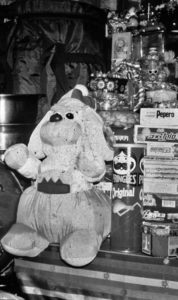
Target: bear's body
x,y
85,215
65,157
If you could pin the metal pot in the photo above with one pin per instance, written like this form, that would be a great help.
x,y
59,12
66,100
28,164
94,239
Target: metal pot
x,y
18,108
11,134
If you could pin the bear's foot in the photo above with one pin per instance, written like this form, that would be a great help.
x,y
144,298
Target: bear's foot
x,y
80,247
22,240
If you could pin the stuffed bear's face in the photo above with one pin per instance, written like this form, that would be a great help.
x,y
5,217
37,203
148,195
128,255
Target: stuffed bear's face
x,y
61,129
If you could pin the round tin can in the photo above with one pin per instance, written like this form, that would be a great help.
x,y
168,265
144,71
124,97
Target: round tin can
x,y
127,194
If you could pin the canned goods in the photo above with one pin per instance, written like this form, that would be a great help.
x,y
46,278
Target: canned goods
x,y
127,197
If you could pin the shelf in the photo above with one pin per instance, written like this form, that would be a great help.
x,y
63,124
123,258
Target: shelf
x,y
112,275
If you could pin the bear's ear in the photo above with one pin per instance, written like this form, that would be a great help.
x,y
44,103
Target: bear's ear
x,y
81,93
93,125
77,94
35,144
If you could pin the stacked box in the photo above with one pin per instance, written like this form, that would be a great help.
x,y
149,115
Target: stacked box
x,y
160,240
159,116
167,150
160,207
151,134
158,130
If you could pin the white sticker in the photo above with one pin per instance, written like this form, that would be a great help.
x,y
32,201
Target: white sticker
x,y
168,203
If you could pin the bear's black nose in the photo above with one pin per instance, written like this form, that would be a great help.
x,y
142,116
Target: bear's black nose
x,y
55,118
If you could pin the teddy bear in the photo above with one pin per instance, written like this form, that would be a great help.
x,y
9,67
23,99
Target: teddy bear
x,y
65,158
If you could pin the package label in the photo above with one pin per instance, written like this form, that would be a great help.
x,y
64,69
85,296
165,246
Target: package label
x,y
166,150
106,187
160,167
122,135
169,203
160,200
144,134
160,185
160,207
106,183
149,215
159,116
146,243
128,164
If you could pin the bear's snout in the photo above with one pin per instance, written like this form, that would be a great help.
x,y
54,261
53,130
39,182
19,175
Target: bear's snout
x,y
55,118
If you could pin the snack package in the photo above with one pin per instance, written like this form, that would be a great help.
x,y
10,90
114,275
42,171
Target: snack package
x,y
165,150
145,134
159,116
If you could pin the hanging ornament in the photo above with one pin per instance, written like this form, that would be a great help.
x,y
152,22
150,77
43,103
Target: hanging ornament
x,y
140,96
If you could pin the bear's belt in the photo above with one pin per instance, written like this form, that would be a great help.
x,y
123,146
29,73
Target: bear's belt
x,y
51,187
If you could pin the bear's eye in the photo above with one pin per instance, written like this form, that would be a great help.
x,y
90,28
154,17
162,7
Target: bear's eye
x,y
55,118
69,116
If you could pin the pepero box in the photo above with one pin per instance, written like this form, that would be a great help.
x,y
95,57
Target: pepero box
x,y
159,116
145,134
160,240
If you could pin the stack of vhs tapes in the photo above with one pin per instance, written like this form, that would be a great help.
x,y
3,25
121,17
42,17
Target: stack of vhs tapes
x,y
158,129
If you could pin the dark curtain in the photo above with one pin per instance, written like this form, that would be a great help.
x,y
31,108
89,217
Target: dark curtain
x,y
55,45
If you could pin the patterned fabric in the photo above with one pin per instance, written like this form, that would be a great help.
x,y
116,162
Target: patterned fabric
x,y
112,275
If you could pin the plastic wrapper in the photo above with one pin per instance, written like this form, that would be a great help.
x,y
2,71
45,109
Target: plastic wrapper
x,y
121,119
162,98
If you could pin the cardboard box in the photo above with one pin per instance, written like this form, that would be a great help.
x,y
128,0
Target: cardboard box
x,y
160,167
159,116
160,201
165,150
160,185
160,207
160,240
145,134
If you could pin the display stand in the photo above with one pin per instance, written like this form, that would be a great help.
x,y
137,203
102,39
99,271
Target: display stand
x,y
111,275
